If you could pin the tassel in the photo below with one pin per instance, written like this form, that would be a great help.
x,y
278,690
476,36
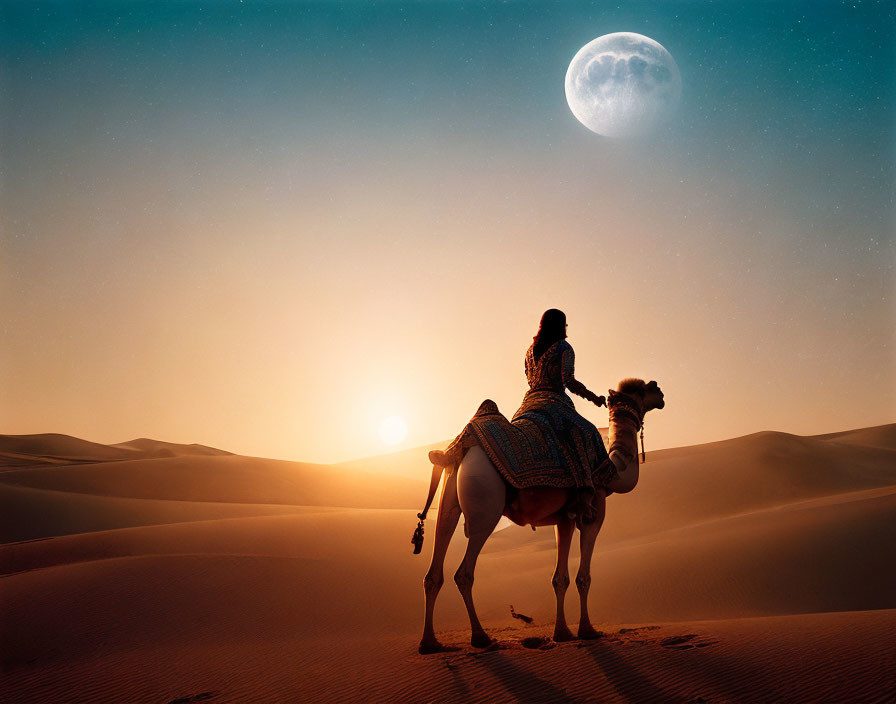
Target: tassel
x,y
417,540
643,458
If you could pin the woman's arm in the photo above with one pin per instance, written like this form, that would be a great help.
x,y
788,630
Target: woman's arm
x,y
567,369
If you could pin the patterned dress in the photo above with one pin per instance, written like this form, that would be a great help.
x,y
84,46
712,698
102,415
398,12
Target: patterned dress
x,y
546,443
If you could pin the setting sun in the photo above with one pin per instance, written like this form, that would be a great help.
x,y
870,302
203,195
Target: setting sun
x,y
393,430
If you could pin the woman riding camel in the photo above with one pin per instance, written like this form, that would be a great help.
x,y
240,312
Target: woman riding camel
x,y
547,443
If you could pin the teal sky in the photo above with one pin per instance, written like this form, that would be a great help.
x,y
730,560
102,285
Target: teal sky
x,y
250,224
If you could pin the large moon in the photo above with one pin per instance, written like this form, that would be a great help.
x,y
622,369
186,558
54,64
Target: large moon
x,y
623,85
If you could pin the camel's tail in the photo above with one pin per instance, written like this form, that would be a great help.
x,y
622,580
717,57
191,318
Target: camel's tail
x,y
417,539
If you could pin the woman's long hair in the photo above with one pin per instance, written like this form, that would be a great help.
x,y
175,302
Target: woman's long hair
x,y
551,329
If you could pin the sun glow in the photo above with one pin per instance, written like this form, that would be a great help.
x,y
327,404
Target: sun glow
x,y
393,430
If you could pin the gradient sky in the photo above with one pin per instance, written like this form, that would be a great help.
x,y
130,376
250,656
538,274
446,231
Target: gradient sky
x,y
267,226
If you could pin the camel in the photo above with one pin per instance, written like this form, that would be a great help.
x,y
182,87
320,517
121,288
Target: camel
x,y
479,491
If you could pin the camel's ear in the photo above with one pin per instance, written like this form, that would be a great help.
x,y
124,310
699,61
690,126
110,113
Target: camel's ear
x,y
611,392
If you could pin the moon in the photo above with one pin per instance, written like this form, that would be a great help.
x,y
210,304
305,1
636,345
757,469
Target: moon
x,y
623,85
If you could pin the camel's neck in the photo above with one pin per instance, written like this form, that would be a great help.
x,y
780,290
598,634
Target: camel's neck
x,y
624,430
625,422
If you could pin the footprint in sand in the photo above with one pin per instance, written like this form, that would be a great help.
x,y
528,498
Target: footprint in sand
x,y
638,628
201,697
536,643
685,642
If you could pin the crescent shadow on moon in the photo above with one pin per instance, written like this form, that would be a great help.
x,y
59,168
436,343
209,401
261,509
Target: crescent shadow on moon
x,y
623,85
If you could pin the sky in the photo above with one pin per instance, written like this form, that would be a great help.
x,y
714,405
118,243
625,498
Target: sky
x,y
268,226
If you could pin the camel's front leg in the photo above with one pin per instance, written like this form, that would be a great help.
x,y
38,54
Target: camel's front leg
x,y
588,537
560,581
449,513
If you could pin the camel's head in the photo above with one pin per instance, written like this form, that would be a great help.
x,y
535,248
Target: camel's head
x,y
649,395
653,396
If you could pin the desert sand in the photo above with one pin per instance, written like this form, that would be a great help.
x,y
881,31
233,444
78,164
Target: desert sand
x,y
756,569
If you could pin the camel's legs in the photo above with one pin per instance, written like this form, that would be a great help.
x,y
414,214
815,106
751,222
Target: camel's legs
x,y
464,580
482,494
587,538
449,513
560,581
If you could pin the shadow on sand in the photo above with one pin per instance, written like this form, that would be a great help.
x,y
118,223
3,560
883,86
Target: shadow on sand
x,y
630,684
521,683
458,684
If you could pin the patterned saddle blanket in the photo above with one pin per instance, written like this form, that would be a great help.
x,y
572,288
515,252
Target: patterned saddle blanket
x,y
546,444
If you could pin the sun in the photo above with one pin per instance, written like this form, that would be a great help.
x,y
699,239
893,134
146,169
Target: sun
x,y
393,430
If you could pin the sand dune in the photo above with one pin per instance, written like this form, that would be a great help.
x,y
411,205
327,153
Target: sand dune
x,y
61,447
228,479
240,580
257,629
65,513
170,449
878,436
54,448
743,475
823,555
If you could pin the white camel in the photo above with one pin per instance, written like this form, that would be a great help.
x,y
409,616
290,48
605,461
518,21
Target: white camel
x,y
478,490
